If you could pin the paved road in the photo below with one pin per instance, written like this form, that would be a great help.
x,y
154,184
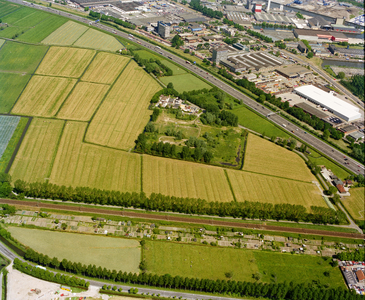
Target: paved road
x,y
336,155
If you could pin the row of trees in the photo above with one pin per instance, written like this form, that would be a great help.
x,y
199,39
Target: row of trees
x,y
260,36
352,256
355,85
195,4
154,66
158,202
290,291
103,17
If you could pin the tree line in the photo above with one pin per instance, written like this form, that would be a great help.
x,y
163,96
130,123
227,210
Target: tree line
x,y
103,17
352,256
154,66
195,4
158,202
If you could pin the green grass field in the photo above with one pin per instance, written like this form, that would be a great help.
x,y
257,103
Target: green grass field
x,y
12,32
67,34
11,86
35,156
5,158
7,7
213,262
268,189
105,68
43,96
98,40
80,164
263,156
1,42
25,17
17,57
123,114
185,82
65,62
175,69
111,253
184,179
249,119
355,204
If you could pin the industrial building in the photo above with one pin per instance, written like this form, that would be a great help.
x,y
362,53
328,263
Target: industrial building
x,y
320,35
349,51
293,71
326,100
311,110
163,29
272,18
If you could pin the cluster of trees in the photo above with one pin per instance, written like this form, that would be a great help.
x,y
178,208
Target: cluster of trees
x,y
49,276
289,291
195,4
358,178
231,41
166,91
353,255
5,185
7,209
100,16
154,66
260,36
358,151
355,85
177,41
244,210
280,45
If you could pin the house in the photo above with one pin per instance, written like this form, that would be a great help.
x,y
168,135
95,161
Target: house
x,y
341,188
348,182
360,276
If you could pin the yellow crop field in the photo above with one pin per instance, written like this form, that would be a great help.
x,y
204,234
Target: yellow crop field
x,y
184,179
65,61
105,68
265,157
80,164
67,34
43,96
355,204
35,156
123,114
98,40
269,189
83,101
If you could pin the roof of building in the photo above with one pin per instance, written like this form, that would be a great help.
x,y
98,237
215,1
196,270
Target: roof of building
x,y
348,128
293,70
344,27
356,135
360,275
311,110
320,20
311,32
329,101
340,188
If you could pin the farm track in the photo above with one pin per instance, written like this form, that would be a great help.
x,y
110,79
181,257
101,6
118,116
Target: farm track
x,y
181,219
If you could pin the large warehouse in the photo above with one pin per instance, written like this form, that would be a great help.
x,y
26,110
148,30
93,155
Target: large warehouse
x,y
334,105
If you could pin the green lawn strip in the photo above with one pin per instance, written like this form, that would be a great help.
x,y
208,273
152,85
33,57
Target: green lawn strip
x,y
18,57
5,158
12,84
185,82
1,42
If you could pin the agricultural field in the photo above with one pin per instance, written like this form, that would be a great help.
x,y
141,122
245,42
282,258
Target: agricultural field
x,y
98,40
65,62
83,101
355,204
86,249
80,164
197,261
43,96
262,188
25,17
7,7
65,35
11,86
265,157
105,68
17,57
185,82
5,158
185,179
36,154
123,114
250,120
8,125
1,42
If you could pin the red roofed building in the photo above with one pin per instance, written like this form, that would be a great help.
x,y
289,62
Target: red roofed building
x,y
360,276
340,188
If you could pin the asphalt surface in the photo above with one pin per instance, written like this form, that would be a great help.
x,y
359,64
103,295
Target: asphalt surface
x,y
336,155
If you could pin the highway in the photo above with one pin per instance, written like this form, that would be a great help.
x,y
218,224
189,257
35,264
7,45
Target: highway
x,y
336,155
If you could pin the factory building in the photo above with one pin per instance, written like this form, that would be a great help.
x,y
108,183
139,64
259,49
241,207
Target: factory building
x,y
326,100
320,35
163,29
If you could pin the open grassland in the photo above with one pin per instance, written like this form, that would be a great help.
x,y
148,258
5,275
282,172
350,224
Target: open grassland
x,y
16,57
10,88
80,164
35,156
184,179
123,114
111,253
5,158
98,40
12,32
7,7
67,34
177,70
185,82
268,189
252,121
64,61
355,204
144,54
263,156
8,125
1,42
105,68
25,17
43,96
43,29
198,261
83,101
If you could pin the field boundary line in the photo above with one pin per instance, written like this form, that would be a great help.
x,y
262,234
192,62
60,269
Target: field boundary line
x,y
17,147
244,150
3,43
230,185
56,150
29,28
88,28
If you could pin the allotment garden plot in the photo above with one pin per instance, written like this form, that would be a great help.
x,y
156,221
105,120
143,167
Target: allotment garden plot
x,y
123,114
111,253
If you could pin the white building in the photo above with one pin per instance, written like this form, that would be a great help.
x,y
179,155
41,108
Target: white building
x,y
334,105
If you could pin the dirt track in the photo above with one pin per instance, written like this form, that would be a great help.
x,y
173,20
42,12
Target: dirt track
x,y
181,219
